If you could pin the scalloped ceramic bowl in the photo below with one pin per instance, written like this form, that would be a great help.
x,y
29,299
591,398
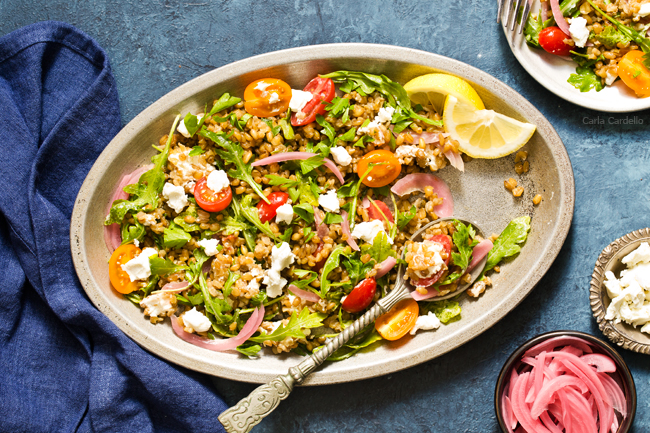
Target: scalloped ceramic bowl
x,y
479,196
622,376
622,334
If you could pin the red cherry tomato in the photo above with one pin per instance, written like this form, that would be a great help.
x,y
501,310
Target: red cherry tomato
x,y
323,90
360,297
446,244
267,211
375,213
552,40
210,201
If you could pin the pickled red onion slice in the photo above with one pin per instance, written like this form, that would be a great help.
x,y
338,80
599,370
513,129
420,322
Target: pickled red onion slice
x,y
304,294
345,229
250,327
418,181
292,156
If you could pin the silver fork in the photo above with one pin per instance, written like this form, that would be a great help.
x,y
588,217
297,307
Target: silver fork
x,y
512,8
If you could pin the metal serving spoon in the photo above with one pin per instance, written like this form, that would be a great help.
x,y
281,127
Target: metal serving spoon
x,y
242,417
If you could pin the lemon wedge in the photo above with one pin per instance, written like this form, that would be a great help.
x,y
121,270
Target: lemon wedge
x,y
434,88
484,133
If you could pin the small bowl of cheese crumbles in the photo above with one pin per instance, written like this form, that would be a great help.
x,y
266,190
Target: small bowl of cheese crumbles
x,y
620,291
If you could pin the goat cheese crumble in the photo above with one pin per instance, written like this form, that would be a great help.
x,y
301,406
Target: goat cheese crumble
x,y
284,214
299,99
281,258
579,32
196,321
139,268
329,201
368,231
426,323
175,196
341,156
209,246
218,180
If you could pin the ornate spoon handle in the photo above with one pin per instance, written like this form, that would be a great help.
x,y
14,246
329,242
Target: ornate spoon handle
x,y
250,410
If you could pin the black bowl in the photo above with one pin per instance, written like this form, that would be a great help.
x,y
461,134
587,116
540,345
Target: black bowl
x,y
622,375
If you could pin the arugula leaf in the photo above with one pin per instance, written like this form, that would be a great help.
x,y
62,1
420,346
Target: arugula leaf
x,y
175,237
533,26
230,225
227,286
357,270
189,211
162,267
130,232
196,151
332,218
328,128
225,101
287,130
464,240
306,278
367,83
404,218
380,249
509,241
248,211
196,267
304,211
232,153
322,147
348,136
331,263
610,37
274,129
369,337
311,163
446,310
585,79
339,107
148,188
294,328
348,190
275,180
307,234
249,351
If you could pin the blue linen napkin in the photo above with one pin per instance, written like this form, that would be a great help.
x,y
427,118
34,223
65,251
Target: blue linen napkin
x,y
64,366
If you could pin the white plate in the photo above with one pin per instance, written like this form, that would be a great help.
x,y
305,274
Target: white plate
x,y
552,72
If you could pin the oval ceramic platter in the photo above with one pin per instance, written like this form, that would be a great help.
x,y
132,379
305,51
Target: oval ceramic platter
x,y
479,196
553,71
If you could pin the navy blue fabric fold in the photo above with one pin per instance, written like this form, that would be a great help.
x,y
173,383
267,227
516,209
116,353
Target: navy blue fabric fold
x,y
64,365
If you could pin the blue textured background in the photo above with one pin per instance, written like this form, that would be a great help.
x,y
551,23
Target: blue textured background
x,y
154,46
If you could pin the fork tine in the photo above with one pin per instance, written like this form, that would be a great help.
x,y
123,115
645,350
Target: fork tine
x,y
501,3
524,16
508,8
513,19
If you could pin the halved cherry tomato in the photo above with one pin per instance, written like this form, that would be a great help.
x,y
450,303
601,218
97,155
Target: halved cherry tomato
x,y
267,211
552,40
210,201
360,297
118,276
446,244
386,168
634,73
323,89
267,97
380,214
399,320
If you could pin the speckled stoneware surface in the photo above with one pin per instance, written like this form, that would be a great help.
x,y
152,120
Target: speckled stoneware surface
x,y
624,335
478,193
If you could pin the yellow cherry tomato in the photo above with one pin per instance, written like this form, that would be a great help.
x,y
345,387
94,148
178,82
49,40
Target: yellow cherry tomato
x,y
399,320
634,73
267,97
119,278
383,165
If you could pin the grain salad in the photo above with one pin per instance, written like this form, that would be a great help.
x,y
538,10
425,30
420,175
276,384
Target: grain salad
x,y
607,39
276,219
